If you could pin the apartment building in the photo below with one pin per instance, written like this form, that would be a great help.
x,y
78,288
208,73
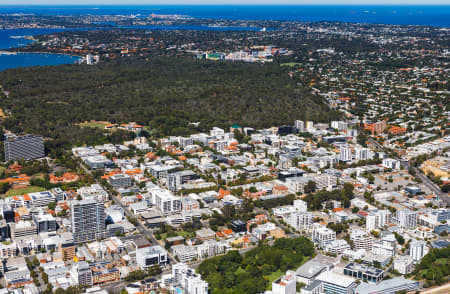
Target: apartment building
x,y
187,279
88,220
301,220
323,236
361,240
406,218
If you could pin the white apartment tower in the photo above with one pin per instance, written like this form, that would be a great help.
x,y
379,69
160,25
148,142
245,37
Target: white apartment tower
x,y
417,250
323,236
345,153
406,218
300,126
301,220
361,240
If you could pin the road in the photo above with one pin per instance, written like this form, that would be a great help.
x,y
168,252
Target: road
x,y
438,290
139,226
425,180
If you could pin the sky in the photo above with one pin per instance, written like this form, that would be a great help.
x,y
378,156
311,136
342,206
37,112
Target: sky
x,y
209,2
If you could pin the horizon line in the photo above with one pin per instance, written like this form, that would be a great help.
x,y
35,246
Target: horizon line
x,y
224,4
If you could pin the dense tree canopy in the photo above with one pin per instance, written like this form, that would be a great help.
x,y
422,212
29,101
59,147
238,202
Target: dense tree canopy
x,y
164,93
233,273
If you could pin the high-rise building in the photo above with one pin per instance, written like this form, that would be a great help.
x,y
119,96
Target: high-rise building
x,y
89,59
300,126
88,220
24,147
309,126
371,222
345,153
417,250
391,163
301,220
406,218
361,153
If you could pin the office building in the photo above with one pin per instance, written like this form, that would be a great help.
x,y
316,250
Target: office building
x,y
149,256
238,226
120,181
390,286
363,272
166,201
333,283
45,222
22,230
188,280
24,147
177,179
308,272
40,199
88,220
441,214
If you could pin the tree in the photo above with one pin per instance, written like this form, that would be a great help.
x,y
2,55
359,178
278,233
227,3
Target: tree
x,y
310,187
51,205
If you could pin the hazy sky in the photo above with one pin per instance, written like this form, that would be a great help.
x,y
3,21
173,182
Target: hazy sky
x,y
209,2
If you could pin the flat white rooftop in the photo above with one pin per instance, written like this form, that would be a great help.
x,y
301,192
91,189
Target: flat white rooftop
x,y
336,279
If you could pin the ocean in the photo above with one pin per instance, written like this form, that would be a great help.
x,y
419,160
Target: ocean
x,y
438,15
432,15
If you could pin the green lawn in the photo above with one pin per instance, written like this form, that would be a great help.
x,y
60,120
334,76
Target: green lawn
x,y
26,190
93,124
272,277
290,64
179,233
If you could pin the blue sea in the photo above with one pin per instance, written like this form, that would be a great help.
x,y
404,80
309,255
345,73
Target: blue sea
x,y
432,15
437,15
